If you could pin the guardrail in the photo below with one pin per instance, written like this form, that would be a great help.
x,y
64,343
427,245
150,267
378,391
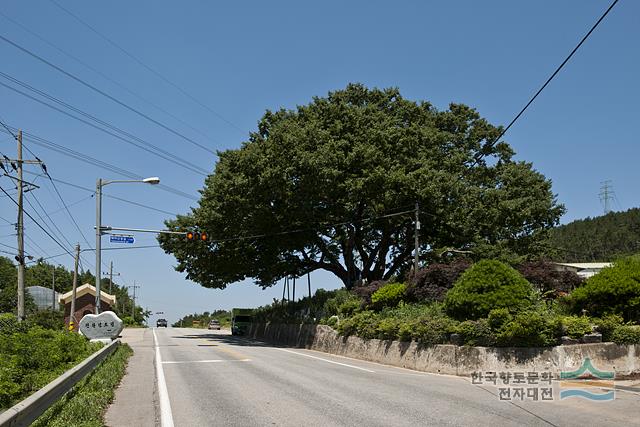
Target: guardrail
x,y
27,411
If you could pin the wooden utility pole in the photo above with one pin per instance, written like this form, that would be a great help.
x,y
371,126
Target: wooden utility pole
x,y
20,230
133,306
416,254
72,314
53,289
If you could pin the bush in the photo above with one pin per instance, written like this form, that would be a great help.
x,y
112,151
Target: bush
x,y
363,324
499,318
485,286
529,329
47,319
549,281
388,328
433,330
365,291
341,296
389,295
476,332
350,307
607,324
615,290
31,359
433,282
626,334
575,326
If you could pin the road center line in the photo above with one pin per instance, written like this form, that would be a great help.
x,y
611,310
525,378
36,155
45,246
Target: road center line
x,y
166,417
205,361
326,360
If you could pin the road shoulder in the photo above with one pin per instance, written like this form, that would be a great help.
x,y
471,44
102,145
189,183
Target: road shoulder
x,y
136,399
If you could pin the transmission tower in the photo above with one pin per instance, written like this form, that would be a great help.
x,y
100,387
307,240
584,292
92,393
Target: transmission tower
x,y
607,195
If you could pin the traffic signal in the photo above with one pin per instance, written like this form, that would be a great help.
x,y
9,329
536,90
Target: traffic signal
x,y
195,236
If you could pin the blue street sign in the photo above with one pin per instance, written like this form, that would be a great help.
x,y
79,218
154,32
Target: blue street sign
x,y
118,238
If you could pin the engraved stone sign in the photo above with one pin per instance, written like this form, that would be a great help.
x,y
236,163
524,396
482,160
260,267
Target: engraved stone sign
x,y
100,326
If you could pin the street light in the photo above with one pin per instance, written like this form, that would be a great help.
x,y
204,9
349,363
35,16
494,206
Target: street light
x,y
99,184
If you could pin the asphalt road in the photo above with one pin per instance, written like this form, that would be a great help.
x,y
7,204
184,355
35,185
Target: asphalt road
x,y
214,379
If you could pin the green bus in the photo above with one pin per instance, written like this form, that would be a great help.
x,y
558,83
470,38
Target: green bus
x,y
241,319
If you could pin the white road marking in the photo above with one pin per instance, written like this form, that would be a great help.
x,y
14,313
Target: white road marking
x,y
205,361
326,360
166,417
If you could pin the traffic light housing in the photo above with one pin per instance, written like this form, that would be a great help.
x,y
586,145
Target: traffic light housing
x,y
195,236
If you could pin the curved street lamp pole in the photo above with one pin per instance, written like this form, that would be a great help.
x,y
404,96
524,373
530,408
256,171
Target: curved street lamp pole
x,y
99,184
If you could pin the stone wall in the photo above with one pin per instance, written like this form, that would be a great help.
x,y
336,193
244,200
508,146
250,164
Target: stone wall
x,y
452,359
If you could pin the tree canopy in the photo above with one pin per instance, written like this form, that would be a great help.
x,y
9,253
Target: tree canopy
x,y
331,185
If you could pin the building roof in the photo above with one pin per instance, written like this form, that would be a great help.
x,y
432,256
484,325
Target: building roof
x,y
586,265
88,289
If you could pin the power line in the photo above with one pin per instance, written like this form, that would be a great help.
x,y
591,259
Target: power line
x,y
156,73
586,36
38,224
106,95
125,136
50,145
111,196
104,76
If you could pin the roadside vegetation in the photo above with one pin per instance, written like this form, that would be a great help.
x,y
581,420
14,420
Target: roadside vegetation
x,y
87,403
34,353
488,303
202,320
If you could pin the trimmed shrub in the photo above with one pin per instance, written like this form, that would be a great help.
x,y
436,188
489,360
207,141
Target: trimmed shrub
x,y
476,333
363,324
575,326
498,318
487,285
433,330
626,334
615,290
389,295
388,328
433,282
607,324
529,329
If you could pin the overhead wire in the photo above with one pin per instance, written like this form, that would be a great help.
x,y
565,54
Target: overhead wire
x,y
70,184
557,70
38,224
121,135
147,67
105,94
50,145
105,76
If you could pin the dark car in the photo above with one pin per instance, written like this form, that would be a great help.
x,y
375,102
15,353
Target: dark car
x,y
161,322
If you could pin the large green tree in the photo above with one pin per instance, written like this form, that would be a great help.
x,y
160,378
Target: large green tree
x,y
313,188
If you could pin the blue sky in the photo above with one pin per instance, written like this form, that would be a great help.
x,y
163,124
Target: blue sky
x,y
240,58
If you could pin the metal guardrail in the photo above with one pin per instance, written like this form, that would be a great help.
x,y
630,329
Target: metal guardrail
x,y
27,411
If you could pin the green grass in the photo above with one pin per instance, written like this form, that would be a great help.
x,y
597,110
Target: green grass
x,y
86,404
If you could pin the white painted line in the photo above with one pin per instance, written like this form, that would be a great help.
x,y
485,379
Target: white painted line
x,y
325,360
166,417
206,361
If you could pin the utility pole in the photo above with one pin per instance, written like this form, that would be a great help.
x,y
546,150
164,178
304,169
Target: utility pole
x,y
18,165
53,290
111,277
294,288
133,306
20,226
416,255
72,314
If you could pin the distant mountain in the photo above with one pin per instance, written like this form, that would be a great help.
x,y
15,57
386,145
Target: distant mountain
x,y
602,238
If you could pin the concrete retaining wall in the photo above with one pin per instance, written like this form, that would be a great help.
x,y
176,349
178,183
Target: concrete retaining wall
x,y
452,359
